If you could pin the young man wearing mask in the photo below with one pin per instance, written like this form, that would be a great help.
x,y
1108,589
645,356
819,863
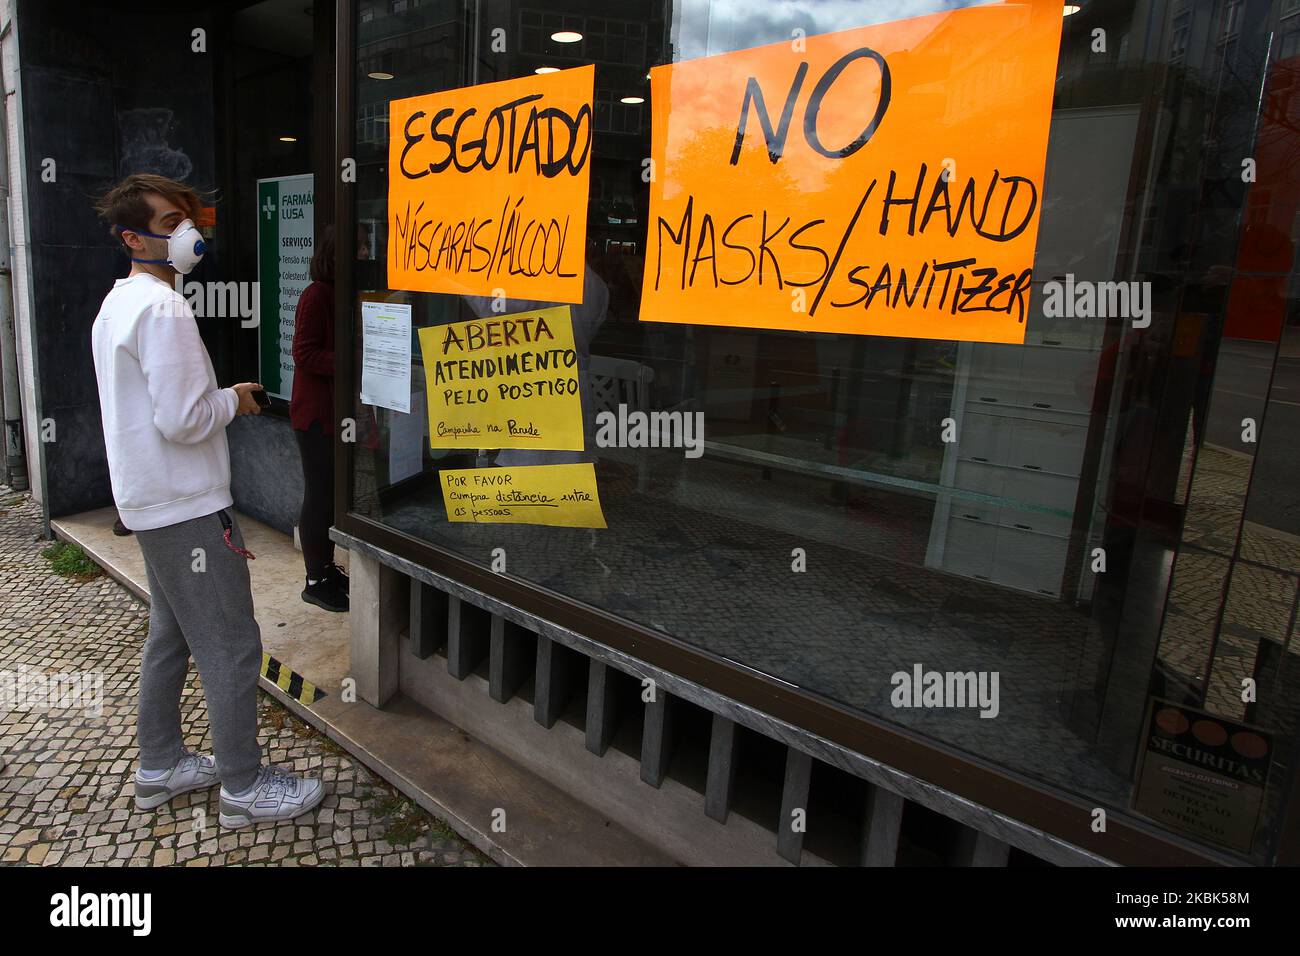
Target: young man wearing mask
x,y
165,430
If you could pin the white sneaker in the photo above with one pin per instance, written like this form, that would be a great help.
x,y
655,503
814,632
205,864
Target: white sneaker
x,y
276,795
193,772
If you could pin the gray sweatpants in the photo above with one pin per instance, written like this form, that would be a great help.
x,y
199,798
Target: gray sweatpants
x,y
200,604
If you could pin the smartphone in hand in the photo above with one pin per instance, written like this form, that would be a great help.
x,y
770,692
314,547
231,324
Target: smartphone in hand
x,y
260,396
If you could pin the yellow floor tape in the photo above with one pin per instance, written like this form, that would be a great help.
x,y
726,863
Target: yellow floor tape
x,y
295,685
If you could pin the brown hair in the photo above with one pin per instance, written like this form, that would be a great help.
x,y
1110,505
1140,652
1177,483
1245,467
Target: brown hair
x,y
322,260
124,206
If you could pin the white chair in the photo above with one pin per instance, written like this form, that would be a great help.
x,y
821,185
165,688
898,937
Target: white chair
x,y
615,382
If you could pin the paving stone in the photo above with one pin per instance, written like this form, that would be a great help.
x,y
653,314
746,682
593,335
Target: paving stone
x,y
66,796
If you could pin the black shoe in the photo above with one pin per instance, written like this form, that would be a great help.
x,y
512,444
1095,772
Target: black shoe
x,y
325,593
120,529
338,576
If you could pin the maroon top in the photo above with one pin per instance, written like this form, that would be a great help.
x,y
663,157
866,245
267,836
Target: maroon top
x,y
313,358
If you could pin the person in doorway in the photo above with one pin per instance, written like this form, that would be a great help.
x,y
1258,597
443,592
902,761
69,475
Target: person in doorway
x,y
169,464
311,413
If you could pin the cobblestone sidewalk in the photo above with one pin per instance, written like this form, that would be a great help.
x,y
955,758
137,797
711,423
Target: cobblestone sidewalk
x,y
65,786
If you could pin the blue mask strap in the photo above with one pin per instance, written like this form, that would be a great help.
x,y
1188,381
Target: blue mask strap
x,y
151,235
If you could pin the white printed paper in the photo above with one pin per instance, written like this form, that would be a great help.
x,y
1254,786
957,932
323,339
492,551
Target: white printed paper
x,y
386,355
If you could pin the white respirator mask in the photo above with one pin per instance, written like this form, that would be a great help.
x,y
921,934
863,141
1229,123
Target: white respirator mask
x,y
185,246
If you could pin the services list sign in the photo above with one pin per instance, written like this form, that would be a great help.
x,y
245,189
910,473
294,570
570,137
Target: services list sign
x,y
285,236
487,188
884,180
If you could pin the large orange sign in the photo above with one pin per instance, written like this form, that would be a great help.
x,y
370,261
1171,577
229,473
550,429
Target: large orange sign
x,y
487,188
885,180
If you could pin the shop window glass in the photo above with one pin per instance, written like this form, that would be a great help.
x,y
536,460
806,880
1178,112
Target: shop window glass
x,y
977,554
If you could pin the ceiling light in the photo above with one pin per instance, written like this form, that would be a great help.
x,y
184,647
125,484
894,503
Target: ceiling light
x,y
547,69
288,139
380,75
566,36
1071,9
632,100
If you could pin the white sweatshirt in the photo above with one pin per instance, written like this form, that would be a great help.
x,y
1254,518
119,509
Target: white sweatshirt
x,y
164,417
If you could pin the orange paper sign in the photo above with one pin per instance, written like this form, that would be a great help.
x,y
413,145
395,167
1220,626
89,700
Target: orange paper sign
x,y
487,188
885,180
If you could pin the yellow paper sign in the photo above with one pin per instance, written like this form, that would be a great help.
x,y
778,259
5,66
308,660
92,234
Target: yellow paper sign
x,y
487,188
885,180
561,495
507,381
